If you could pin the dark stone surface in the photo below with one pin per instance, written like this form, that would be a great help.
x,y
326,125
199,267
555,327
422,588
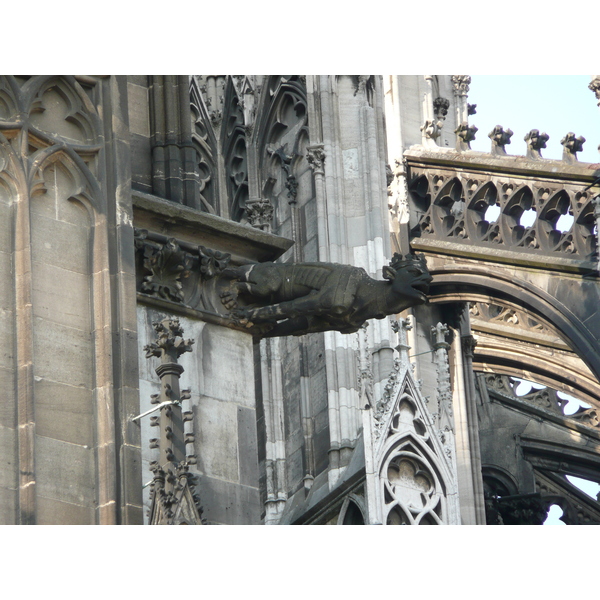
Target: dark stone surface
x,y
247,444
228,503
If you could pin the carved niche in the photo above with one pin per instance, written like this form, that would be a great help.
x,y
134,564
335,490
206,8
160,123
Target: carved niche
x,y
416,485
235,152
205,143
282,141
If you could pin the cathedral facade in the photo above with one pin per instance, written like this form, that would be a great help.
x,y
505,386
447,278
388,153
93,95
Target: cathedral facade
x,y
291,300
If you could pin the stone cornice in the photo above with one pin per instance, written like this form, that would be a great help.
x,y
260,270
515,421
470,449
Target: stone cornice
x,y
510,165
243,242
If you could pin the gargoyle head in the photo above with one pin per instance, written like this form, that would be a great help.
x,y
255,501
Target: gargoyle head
x,y
410,276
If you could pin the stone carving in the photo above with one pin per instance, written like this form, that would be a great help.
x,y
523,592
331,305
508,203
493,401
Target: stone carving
x,y
572,145
440,108
471,109
500,138
445,416
595,87
294,299
316,158
466,134
178,272
259,213
172,497
460,84
455,205
535,142
168,265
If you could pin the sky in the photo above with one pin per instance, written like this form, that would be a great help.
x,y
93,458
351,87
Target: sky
x,y
554,104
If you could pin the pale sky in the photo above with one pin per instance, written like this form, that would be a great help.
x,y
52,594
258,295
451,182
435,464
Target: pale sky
x,y
554,104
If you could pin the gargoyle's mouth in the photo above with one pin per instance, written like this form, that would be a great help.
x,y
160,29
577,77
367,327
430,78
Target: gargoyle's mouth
x,y
422,285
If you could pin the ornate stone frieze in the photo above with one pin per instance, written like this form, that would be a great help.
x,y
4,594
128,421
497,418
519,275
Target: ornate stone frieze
x,y
170,270
545,218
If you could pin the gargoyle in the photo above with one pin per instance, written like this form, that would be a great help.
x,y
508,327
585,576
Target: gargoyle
x,y
294,299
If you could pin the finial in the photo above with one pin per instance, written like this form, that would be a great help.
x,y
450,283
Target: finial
x,y
572,145
500,138
535,142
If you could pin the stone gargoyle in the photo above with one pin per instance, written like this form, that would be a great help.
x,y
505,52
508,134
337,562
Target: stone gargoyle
x,y
294,299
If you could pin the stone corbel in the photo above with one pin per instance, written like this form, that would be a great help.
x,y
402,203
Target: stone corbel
x,y
259,213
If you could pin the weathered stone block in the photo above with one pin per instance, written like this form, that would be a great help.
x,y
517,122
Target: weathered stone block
x,y
61,296
65,471
54,512
64,412
8,506
227,365
247,444
215,427
8,417
137,97
63,354
8,458
227,503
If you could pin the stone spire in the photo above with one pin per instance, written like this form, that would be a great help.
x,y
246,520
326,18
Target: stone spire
x,y
172,498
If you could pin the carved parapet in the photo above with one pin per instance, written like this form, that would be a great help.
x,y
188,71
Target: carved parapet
x,y
500,138
535,142
572,145
465,134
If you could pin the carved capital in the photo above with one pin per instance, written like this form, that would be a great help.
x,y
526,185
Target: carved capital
x,y
572,145
460,84
439,332
535,142
595,87
500,138
259,213
316,158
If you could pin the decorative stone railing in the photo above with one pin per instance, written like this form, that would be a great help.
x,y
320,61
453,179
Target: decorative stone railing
x,y
508,203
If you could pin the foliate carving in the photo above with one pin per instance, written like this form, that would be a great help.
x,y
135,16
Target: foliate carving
x,y
168,265
432,129
466,134
595,87
500,138
471,109
316,158
212,262
294,299
535,142
460,84
468,343
365,369
572,145
170,343
166,270
259,213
